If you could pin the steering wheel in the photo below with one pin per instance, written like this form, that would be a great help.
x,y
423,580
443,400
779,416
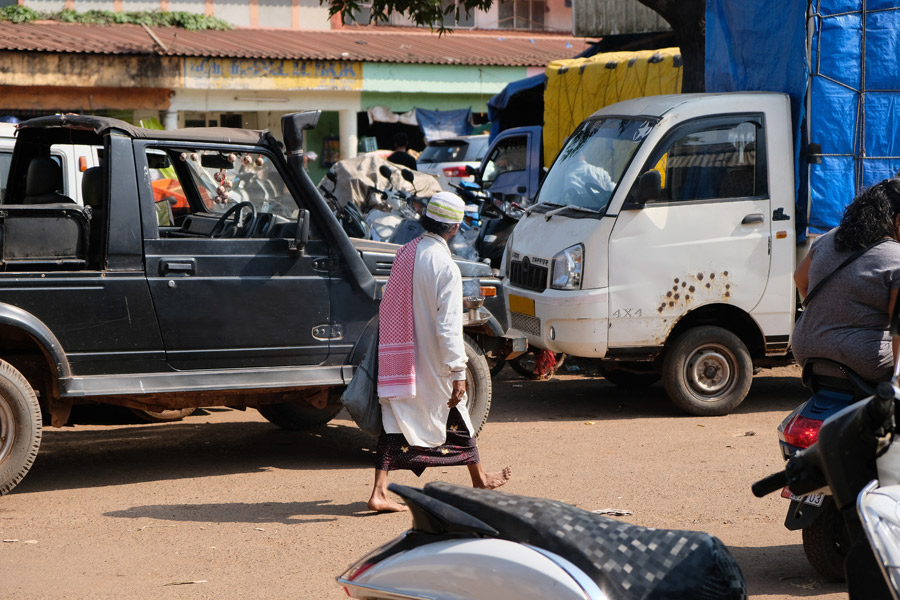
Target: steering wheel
x,y
235,213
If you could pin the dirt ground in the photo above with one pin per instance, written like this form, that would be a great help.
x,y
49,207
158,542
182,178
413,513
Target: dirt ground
x,y
224,505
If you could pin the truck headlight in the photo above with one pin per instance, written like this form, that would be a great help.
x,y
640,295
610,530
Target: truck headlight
x,y
566,267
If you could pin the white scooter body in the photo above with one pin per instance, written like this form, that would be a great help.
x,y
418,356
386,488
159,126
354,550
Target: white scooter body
x,y
471,569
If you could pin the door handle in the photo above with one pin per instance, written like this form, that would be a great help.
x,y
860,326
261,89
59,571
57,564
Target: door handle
x,y
186,266
753,219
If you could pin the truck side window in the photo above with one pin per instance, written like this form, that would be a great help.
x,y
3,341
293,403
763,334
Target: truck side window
x,y
716,162
509,155
5,159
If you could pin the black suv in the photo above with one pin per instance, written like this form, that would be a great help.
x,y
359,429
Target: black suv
x,y
203,269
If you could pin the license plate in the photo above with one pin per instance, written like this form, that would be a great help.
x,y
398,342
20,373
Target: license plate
x,y
521,305
811,499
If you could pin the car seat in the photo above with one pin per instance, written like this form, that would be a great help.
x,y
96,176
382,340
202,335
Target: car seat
x,y
43,181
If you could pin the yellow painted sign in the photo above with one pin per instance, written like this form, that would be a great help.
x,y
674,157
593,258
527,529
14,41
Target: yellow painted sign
x,y
271,74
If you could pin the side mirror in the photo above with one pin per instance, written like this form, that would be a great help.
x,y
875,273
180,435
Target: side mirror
x,y
385,171
649,186
302,236
331,175
470,170
521,190
407,175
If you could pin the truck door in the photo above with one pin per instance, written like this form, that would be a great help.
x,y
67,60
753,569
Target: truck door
x,y
705,240
229,296
513,163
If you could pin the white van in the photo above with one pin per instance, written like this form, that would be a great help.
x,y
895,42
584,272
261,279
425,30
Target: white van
x,y
663,243
74,160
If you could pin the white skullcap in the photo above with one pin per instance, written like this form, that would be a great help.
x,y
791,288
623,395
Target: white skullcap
x,y
446,207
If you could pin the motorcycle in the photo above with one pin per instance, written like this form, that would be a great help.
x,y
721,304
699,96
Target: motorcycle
x,y
394,208
500,216
855,460
483,544
352,221
825,540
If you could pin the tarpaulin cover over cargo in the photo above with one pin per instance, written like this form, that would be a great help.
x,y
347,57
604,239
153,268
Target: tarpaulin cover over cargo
x,y
578,87
852,83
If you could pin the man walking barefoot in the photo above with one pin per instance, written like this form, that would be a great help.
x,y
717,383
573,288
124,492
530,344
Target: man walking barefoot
x,y
422,361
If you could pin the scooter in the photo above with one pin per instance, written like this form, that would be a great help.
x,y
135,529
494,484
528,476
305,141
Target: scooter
x,y
825,538
855,460
396,207
477,544
352,221
500,216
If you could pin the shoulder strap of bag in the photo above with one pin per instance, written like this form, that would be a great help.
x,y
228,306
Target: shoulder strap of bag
x,y
846,262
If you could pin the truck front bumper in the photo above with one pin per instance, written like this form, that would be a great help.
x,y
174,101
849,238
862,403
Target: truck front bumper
x,y
574,322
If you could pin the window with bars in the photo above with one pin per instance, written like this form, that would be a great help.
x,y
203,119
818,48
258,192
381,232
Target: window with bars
x,y
522,14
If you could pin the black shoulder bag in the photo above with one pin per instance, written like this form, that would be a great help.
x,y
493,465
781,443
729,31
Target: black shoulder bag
x,y
846,262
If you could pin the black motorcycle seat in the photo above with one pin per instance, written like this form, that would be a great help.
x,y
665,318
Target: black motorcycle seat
x,y
628,562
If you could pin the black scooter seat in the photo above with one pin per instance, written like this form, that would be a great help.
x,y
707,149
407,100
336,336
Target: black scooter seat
x,y
628,562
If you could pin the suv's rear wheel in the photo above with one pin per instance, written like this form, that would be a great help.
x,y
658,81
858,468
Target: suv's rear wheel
x,y
20,427
478,384
298,416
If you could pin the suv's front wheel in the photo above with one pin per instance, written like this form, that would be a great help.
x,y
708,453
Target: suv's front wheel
x,y
20,427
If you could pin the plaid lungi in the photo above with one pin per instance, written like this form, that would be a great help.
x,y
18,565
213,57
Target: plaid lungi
x,y
394,452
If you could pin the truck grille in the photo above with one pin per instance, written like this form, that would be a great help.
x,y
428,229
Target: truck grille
x,y
526,323
527,275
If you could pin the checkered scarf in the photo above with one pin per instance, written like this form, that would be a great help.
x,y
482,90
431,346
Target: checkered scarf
x,y
396,328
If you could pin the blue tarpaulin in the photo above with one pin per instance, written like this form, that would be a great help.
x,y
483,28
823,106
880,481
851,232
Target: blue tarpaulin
x,y
852,83
498,103
441,124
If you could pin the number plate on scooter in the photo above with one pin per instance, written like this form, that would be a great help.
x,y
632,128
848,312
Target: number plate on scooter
x,y
813,499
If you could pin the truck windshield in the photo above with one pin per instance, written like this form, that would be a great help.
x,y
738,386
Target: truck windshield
x,y
591,163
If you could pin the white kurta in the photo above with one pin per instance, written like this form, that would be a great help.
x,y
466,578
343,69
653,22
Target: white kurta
x,y
440,352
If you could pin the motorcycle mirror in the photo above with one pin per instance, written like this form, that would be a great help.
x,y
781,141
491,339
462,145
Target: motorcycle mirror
x,y
385,171
470,170
331,175
407,175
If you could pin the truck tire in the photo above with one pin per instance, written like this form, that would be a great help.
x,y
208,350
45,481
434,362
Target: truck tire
x,y
478,385
628,377
298,416
21,427
826,545
524,364
707,371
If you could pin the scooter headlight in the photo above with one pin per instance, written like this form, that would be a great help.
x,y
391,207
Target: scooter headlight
x,y
566,268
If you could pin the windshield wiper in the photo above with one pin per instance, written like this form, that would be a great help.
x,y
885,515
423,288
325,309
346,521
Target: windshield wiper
x,y
556,211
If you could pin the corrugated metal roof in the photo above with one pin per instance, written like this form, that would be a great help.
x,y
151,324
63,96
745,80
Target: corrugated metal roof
x,y
390,45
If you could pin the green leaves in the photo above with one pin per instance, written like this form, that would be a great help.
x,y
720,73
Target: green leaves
x,y
184,20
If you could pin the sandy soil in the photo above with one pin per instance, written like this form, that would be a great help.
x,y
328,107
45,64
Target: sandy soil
x,y
224,505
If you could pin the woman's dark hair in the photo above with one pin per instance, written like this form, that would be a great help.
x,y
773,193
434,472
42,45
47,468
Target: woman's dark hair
x,y
436,227
871,216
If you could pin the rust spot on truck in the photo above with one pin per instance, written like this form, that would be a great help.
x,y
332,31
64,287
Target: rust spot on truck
x,y
699,288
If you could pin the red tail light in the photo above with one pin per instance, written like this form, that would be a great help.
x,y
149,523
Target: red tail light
x,y
802,432
459,171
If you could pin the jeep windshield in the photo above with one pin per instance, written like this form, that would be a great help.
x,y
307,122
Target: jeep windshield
x,y
592,162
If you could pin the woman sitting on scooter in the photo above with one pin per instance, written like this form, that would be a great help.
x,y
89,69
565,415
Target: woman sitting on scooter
x,y
858,266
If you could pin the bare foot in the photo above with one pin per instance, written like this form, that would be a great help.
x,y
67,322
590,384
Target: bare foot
x,y
385,504
491,481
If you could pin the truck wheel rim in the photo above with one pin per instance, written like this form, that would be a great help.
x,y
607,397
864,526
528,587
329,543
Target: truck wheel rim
x,y
7,429
709,370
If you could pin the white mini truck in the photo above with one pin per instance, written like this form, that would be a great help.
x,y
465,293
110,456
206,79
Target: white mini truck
x,y
663,244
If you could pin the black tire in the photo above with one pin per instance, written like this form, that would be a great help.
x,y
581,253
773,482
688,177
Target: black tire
x,y
630,376
524,364
299,416
707,371
495,364
162,416
825,544
21,427
479,387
